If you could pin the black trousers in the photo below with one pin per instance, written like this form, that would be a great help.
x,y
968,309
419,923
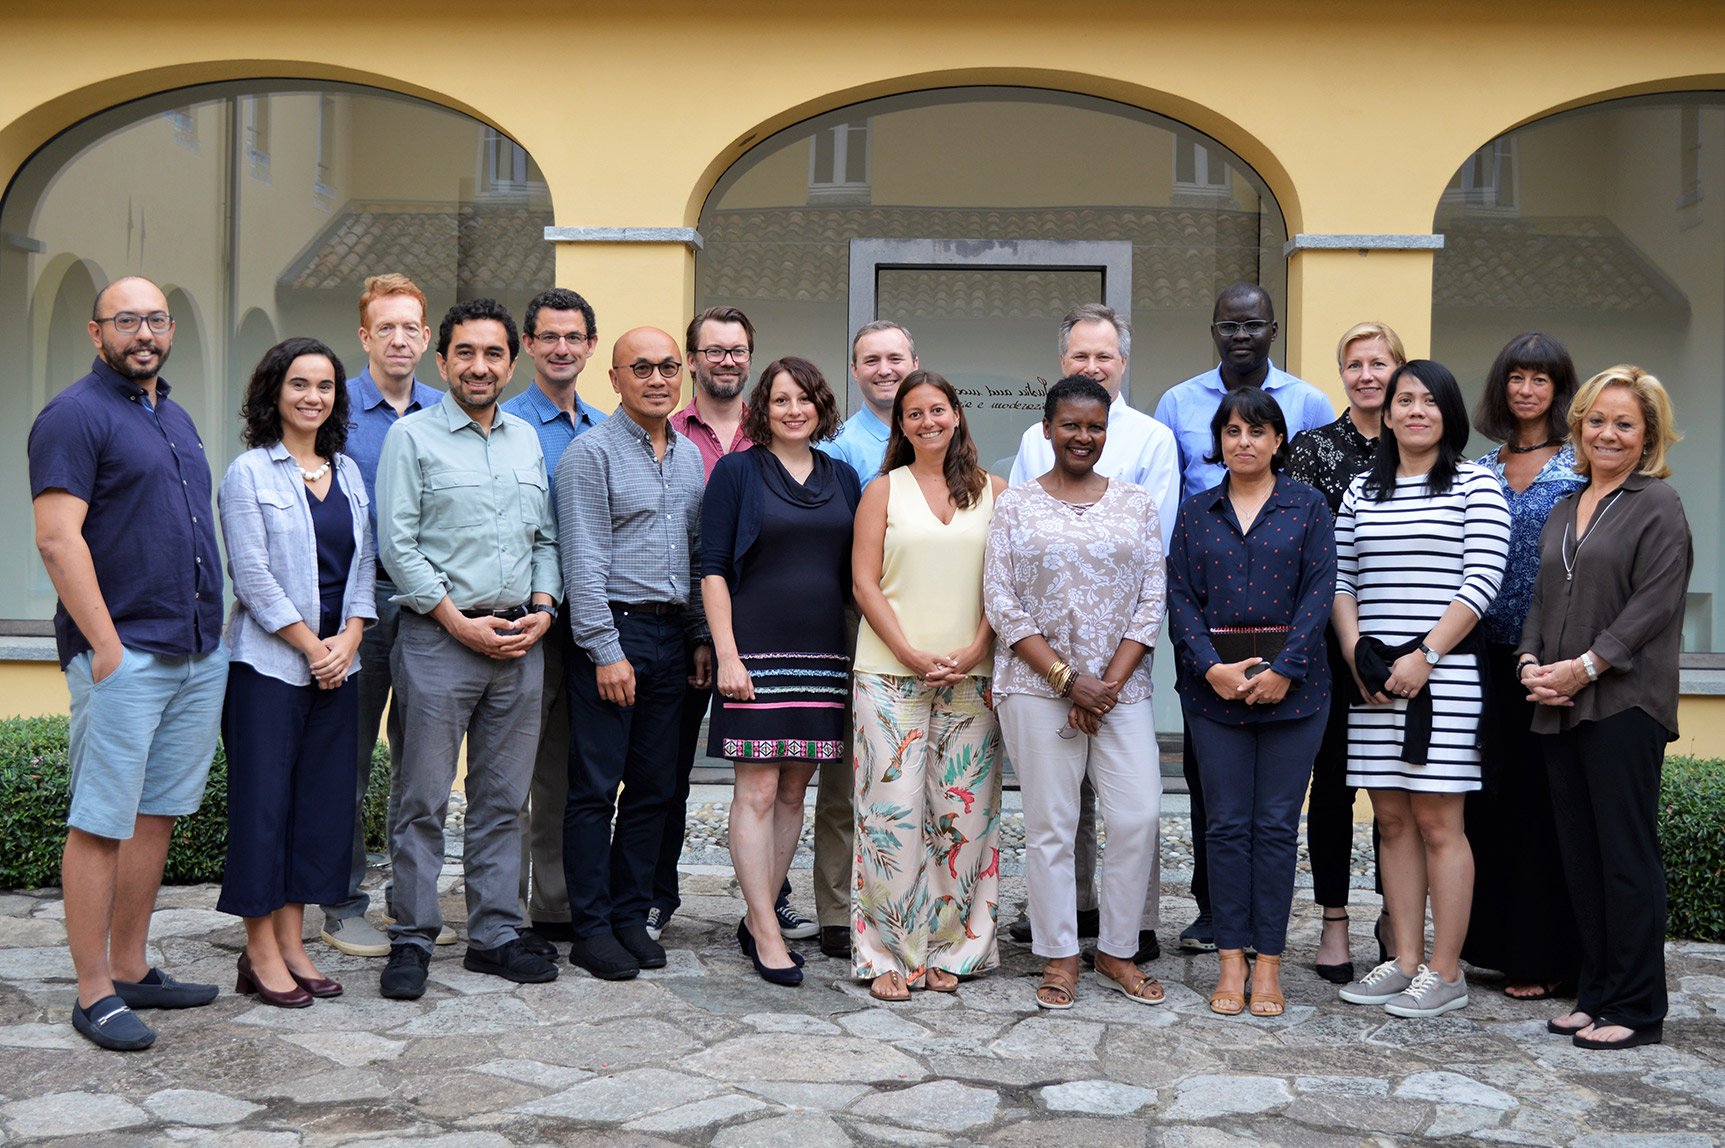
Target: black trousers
x,y
1195,792
608,867
1605,797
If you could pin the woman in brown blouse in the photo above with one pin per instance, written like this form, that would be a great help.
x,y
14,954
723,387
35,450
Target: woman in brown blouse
x,y
1599,654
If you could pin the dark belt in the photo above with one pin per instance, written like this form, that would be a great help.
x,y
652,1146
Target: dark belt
x,y
508,615
660,609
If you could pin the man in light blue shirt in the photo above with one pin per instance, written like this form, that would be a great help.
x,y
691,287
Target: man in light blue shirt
x,y
1242,326
392,331
558,333
882,354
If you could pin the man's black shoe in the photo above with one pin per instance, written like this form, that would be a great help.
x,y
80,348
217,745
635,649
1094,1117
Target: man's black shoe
x,y
111,1024
539,944
403,978
604,957
836,942
560,932
512,961
1089,924
1149,948
159,990
648,953
1019,931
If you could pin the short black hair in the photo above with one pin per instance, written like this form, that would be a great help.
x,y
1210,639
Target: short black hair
x,y
260,411
557,299
1244,289
472,310
1256,408
1073,387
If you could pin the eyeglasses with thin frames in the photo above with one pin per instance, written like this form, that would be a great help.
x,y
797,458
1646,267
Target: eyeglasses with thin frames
x,y
127,322
720,354
549,339
1251,327
642,369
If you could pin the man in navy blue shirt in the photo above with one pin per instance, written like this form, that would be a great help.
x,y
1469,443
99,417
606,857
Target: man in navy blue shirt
x,y
121,494
393,332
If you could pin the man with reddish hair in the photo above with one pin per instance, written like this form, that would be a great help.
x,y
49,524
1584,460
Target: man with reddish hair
x,y
392,330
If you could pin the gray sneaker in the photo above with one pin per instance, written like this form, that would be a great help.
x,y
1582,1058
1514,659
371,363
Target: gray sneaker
x,y
445,935
1382,984
355,936
1429,995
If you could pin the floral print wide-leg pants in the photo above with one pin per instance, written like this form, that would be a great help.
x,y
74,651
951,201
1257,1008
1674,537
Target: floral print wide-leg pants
x,y
927,790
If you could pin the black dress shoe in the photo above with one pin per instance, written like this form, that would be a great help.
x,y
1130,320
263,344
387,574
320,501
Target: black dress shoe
x,y
1019,931
561,932
403,978
1089,922
648,953
1149,948
159,990
836,942
513,961
538,944
604,957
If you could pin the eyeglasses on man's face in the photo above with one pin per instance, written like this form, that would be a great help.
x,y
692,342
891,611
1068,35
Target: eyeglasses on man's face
x,y
549,339
720,354
1252,327
642,369
128,322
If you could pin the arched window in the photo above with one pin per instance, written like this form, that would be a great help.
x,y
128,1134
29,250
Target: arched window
x,y
259,207
1002,165
1605,227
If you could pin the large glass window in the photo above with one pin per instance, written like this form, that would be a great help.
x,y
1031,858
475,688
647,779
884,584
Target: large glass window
x,y
989,164
260,208
1604,227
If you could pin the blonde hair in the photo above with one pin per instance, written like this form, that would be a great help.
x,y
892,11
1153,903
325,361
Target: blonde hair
x,y
1657,417
1372,330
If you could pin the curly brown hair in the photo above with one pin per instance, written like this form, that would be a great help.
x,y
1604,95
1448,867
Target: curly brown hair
x,y
260,411
757,427
965,478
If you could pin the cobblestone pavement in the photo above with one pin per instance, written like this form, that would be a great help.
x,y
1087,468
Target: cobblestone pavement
x,y
704,1052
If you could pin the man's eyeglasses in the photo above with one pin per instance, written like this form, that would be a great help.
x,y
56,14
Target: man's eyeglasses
x,y
549,339
719,354
642,369
1252,327
127,322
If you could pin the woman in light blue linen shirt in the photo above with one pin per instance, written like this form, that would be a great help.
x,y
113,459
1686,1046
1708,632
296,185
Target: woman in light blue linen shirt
x,y
304,569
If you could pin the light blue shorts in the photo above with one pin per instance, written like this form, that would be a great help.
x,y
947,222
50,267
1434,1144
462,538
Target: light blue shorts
x,y
142,738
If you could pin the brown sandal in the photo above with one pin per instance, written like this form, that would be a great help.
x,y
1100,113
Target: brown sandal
x,y
897,991
1138,988
948,985
1228,1002
1265,1002
1059,982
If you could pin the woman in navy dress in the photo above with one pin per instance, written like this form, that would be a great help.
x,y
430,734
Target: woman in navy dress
x,y
775,565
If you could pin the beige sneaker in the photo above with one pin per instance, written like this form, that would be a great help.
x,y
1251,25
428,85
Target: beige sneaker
x,y
355,936
445,935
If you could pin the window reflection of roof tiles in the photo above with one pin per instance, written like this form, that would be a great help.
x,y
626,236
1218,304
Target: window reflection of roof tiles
x,y
1578,263
471,249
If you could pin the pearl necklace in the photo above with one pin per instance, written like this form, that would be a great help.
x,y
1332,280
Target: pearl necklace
x,y
314,475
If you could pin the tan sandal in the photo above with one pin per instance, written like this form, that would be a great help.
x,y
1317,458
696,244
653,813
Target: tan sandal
x,y
897,992
1228,1002
1266,1002
948,983
1060,983
1138,988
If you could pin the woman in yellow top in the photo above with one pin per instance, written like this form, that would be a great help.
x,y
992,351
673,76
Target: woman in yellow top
x,y
927,875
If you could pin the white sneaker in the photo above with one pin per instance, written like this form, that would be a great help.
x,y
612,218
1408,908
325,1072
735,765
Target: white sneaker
x,y
1429,995
445,935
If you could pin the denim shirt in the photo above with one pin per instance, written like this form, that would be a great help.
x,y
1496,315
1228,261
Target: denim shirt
x,y
272,559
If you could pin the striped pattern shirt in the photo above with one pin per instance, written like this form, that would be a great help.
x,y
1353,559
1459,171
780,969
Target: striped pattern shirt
x,y
1404,560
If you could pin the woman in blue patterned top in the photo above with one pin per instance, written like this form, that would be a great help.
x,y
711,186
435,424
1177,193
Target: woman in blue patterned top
x,y
1521,922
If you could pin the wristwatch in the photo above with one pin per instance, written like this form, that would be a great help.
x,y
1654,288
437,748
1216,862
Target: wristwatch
x,y
1432,655
543,608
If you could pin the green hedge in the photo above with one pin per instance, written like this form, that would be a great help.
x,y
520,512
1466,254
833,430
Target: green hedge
x,y
1692,833
33,801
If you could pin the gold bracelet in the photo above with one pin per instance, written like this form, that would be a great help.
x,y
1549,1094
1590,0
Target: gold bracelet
x,y
1052,677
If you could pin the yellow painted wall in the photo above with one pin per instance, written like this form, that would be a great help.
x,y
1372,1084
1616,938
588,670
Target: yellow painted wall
x,y
32,689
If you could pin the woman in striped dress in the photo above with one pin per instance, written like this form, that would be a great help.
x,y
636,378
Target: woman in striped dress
x,y
1421,541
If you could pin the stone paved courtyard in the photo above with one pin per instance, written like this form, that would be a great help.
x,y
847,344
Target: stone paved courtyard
x,y
704,1052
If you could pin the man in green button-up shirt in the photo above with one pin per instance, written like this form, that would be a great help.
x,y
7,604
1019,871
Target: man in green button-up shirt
x,y
466,532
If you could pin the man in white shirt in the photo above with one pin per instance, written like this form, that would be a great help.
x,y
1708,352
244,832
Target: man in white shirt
x,y
1097,343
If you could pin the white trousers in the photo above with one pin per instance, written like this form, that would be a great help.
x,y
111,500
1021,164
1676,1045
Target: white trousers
x,y
1122,764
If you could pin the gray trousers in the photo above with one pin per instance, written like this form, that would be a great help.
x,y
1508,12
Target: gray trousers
x,y
375,679
543,894
445,691
835,820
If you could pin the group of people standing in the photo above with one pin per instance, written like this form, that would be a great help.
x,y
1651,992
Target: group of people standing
x,y
569,593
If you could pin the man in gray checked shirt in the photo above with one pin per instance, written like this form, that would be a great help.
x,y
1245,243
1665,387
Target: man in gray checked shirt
x,y
629,507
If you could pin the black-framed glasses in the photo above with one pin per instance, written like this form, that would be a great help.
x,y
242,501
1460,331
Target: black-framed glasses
x,y
720,354
1251,327
127,322
549,339
642,369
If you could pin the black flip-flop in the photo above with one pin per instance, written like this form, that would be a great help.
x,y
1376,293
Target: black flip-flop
x,y
1652,1034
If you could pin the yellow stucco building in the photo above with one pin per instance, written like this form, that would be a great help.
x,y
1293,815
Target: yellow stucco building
x,y
1462,171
